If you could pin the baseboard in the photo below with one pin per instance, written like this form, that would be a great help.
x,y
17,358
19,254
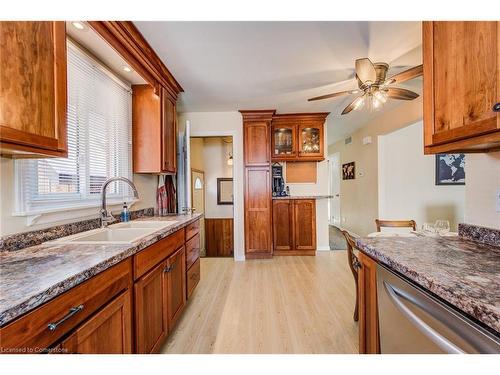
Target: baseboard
x,y
323,248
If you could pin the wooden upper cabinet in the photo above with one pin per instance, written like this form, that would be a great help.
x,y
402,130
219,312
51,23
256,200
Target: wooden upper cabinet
x,y
461,86
304,222
169,134
256,145
109,331
298,137
284,141
33,92
154,131
283,227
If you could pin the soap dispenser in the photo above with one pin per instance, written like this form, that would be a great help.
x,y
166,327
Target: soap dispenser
x,y
125,215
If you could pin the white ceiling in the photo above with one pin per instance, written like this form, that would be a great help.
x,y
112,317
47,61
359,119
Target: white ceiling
x,y
226,66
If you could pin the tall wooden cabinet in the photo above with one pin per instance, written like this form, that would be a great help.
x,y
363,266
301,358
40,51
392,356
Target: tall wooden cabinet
x,y
461,86
294,226
33,91
257,158
154,130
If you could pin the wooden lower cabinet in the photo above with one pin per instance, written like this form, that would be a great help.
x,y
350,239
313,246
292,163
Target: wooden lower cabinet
x,y
108,331
219,239
175,274
109,313
294,226
369,342
151,319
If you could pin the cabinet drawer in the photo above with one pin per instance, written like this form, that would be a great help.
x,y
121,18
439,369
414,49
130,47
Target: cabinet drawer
x,y
66,311
192,250
192,229
154,254
193,277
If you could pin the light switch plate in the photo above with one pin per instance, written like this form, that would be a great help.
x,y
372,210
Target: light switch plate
x,y
498,200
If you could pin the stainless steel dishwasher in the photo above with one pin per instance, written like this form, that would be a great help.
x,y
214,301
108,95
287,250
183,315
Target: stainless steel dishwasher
x,y
413,321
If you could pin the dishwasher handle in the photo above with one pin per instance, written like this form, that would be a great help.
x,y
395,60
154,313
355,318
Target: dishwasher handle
x,y
429,332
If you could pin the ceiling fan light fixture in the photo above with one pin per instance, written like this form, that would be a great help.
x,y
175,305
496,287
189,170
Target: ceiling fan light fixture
x,y
380,96
359,102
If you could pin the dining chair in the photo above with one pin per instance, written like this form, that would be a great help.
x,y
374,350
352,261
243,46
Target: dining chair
x,y
395,224
353,265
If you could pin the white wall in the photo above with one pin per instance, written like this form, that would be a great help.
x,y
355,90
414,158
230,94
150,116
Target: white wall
x,y
407,187
321,187
211,124
482,174
216,153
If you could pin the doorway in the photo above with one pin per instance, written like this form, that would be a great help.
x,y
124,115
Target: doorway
x,y
336,238
212,193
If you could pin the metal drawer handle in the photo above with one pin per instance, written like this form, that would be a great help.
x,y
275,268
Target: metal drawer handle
x,y
169,268
72,311
434,336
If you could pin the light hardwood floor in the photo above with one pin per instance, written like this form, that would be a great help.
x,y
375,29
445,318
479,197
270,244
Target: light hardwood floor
x,y
282,305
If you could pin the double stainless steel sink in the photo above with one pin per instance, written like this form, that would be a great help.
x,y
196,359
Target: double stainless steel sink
x,y
121,233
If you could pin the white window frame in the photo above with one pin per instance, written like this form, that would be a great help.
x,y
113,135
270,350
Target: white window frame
x,y
57,209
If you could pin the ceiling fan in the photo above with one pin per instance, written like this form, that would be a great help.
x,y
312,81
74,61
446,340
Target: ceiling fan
x,y
375,87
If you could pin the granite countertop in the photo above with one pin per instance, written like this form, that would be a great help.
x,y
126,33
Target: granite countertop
x,y
37,274
461,272
305,197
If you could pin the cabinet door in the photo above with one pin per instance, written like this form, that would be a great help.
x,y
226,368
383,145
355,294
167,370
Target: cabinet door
x,y
258,227
256,143
33,88
368,317
305,224
461,85
283,224
310,136
284,141
151,310
176,286
109,331
169,134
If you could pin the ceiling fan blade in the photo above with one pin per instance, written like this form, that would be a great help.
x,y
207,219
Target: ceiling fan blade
x,y
401,94
355,104
406,75
340,93
365,71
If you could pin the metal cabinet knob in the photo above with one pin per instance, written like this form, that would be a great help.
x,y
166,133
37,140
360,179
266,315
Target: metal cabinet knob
x,y
496,107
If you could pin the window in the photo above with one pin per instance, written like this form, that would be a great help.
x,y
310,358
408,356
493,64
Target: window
x,y
99,144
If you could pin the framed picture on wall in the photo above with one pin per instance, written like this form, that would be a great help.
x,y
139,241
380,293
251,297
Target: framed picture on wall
x,y
348,171
450,169
225,191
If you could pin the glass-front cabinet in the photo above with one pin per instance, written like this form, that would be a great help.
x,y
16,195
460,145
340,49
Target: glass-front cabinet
x,y
310,140
284,141
298,137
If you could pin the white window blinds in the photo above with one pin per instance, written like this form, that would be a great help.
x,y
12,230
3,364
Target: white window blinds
x,y
99,144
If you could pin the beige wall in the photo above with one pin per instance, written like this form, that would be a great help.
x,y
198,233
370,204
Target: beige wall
x,y
482,174
196,153
407,188
146,186
359,197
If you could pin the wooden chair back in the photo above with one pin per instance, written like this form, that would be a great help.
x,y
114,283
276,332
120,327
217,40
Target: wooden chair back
x,y
395,224
353,265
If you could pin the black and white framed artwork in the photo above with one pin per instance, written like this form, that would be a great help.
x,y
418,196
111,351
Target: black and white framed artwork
x,y
450,169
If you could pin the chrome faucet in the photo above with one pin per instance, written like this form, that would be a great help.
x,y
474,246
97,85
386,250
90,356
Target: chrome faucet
x,y
106,218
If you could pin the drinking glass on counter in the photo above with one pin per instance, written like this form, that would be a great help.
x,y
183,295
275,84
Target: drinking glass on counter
x,y
428,229
442,227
